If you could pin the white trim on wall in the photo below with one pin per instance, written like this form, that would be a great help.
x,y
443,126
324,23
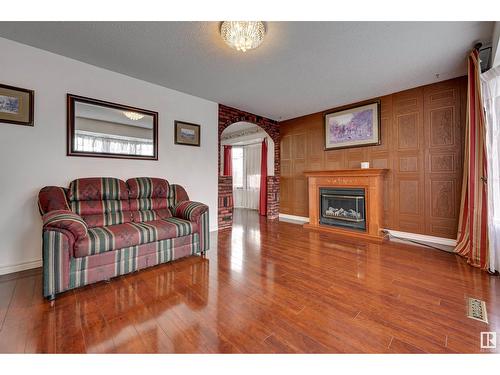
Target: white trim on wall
x,y
293,217
405,235
423,238
4,270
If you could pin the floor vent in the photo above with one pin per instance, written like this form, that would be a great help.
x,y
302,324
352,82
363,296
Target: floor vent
x,y
476,309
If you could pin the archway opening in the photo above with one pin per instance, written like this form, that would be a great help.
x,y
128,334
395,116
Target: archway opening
x,y
241,152
237,120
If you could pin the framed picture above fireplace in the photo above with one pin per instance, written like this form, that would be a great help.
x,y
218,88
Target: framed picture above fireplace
x,y
354,126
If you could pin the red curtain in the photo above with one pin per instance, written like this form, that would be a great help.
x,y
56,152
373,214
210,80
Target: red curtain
x,y
472,238
263,180
228,161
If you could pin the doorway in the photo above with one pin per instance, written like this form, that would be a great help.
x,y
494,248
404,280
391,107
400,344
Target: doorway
x,y
241,157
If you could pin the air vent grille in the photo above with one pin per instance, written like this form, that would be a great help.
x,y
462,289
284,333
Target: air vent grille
x,y
476,309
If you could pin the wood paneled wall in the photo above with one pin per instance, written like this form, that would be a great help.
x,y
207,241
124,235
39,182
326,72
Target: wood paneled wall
x,y
422,146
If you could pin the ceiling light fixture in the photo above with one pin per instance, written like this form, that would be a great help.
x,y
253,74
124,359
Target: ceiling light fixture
x,y
243,35
133,115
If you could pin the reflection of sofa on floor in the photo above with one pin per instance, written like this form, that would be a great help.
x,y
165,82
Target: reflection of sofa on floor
x,y
100,228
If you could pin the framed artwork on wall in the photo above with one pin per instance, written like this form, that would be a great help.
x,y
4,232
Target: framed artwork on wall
x,y
186,133
354,126
16,105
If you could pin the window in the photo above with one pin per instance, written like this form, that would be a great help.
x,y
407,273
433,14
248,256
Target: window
x,y
237,156
112,144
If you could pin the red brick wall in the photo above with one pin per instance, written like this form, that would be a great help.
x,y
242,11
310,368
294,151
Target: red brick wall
x,y
273,197
225,211
228,116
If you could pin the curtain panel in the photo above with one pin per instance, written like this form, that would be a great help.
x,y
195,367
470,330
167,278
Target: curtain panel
x,y
491,100
248,195
228,161
472,237
263,180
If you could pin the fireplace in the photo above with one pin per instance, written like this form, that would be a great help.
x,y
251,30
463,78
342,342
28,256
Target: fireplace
x,y
366,199
343,207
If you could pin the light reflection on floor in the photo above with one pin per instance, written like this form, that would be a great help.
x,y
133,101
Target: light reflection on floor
x,y
237,248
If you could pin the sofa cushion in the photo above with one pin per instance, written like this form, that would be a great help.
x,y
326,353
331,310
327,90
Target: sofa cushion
x,y
176,194
52,198
148,199
140,216
97,189
100,201
147,187
113,237
182,227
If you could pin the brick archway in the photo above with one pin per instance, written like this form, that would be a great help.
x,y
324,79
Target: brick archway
x,y
227,117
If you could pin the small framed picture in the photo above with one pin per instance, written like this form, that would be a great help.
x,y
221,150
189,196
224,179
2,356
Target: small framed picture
x,y
355,126
187,133
16,105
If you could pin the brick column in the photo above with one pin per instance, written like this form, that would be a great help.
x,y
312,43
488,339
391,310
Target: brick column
x,y
225,209
273,197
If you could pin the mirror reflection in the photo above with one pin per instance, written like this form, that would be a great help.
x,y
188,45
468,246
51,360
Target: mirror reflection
x,y
112,130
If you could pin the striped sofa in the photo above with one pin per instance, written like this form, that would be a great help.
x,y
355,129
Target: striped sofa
x,y
100,228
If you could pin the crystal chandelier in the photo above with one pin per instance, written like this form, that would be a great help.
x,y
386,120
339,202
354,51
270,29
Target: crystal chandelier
x,y
133,115
243,35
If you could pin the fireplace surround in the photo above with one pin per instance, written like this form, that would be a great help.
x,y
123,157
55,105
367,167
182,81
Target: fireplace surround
x,y
347,202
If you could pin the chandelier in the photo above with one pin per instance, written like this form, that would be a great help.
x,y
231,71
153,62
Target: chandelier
x,y
133,115
243,35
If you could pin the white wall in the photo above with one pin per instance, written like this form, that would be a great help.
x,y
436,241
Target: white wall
x,y
33,157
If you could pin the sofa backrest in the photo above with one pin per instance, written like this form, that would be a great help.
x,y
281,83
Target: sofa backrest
x,y
100,201
176,194
148,198
103,201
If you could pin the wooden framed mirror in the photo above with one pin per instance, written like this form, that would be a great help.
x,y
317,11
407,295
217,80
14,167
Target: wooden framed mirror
x,y
103,129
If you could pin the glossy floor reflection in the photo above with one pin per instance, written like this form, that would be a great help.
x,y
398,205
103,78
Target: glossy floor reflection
x,y
265,287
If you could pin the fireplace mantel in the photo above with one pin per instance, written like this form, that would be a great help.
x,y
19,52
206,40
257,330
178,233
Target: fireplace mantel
x,y
370,179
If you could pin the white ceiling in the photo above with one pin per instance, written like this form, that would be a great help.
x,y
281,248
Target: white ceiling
x,y
301,67
97,112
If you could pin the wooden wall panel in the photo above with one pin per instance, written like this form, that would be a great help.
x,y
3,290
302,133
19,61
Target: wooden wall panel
x,y
421,145
444,127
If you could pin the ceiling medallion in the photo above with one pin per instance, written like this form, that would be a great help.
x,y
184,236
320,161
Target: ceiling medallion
x,y
243,35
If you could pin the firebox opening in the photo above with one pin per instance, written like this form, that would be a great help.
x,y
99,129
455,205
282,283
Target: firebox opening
x,y
343,207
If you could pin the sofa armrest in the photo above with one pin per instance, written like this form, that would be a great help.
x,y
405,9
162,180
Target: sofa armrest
x,y
189,210
198,213
51,198
67,220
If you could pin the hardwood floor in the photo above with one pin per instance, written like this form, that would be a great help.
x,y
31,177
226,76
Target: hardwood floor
x,y
265,287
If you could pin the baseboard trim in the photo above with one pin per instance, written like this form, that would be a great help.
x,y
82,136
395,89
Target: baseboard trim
x,y
4,270
294,217
423,238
